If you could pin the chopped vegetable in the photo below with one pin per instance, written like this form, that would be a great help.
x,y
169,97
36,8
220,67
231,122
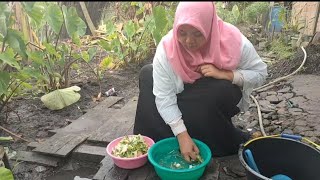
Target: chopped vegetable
x,y
130,146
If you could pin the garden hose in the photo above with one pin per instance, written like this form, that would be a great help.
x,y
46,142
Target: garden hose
x,y
295,137
276,80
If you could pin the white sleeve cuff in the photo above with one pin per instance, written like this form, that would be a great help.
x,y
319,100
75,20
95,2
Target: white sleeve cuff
x,y
177,126
237,78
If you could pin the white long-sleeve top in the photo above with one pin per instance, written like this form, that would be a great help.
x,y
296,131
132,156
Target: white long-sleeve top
x,y
250,73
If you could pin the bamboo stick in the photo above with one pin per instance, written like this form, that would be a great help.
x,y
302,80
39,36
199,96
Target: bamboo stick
x,y
87,17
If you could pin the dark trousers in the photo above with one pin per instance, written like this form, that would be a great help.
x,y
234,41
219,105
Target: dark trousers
x,y
207,106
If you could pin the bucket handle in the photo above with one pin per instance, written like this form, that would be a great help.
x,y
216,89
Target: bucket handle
x,y
291,136
299,138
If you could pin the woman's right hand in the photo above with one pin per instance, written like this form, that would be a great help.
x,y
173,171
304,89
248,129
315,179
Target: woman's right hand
x,y
188,148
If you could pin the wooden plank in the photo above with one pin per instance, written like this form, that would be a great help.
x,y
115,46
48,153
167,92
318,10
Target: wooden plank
x,y
118,125
89,153
60,144
141,173
33,145
93,119
109,171
212,170
37,158
68,147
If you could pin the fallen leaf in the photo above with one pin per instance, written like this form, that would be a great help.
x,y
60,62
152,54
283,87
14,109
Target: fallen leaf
x,y
61,98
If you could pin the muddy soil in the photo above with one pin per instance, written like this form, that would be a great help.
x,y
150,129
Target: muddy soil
x,y
311,66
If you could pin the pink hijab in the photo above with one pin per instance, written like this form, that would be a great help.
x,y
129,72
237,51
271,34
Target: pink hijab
x,y
223,47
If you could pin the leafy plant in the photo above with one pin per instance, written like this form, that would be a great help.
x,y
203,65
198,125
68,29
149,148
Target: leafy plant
x,y
281,49
5,174
253,13
232,16
24,64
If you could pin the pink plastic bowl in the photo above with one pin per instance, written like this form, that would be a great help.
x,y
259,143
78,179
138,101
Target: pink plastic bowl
x,y
129,163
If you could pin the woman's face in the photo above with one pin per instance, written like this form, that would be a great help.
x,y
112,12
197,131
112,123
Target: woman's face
x,y
190,38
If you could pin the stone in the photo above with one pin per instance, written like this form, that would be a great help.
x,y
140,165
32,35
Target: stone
x,y
308,133
287,124
252,124
266,110
288,95
272,93
40,169
284,90
287,131
281,97
300,129
273,99
297,100
266,122
263,95
273,117
264,103
270,128
300,123
295,111
282,104
282,111
317,127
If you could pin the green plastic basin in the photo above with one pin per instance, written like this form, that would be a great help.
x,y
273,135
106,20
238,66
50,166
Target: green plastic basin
x,y
164,147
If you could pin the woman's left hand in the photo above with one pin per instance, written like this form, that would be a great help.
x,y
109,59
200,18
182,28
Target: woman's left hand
x,y
209,70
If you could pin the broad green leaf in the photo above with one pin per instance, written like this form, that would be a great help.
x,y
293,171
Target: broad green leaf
x,y
29,72
129,29
105,45
15,41
85,56
4,82
160,18
157,35
54,17
110,27
50,49
35,11
61,98
36,56
74,24
105,62
4,8
3,25
76,39
28,5
27,85
76,55
5,174
92,52
8,57
236,13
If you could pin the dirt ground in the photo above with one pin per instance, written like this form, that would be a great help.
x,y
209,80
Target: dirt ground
x,y
311,66
31,119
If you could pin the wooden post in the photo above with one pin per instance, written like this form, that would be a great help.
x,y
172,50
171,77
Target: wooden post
x,y
88,19
316,21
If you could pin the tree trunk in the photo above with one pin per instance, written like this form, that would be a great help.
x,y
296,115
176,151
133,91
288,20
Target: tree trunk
x,y
95,9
